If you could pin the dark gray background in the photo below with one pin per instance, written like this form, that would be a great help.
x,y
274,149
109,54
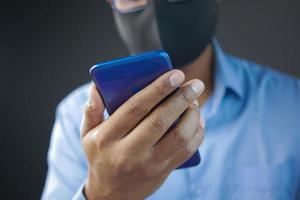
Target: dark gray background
x,y
47,47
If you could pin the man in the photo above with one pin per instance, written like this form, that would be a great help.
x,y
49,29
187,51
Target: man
x,y
252,131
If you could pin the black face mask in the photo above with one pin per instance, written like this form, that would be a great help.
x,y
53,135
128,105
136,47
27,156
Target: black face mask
x,y
183,28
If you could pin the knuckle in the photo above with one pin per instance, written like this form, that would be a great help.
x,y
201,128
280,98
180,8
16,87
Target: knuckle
x,y
158,122
101,142
195,114
147,171
123,165
99,136
136,107
161,89
89,148
180,137
193,106
188,151
89,108
127,165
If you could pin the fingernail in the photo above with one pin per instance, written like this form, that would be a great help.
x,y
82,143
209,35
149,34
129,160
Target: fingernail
x,y
176,79
196,103
202,123
197,86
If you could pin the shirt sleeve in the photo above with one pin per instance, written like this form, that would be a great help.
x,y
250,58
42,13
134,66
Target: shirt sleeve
x,y
79,194
67,168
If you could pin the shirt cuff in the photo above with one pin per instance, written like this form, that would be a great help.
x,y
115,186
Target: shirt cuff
x,y
79,194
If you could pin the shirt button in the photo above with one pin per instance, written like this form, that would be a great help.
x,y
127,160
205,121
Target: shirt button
x,y
199,191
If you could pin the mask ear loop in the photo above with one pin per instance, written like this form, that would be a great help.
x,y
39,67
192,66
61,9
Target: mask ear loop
x,y
133,10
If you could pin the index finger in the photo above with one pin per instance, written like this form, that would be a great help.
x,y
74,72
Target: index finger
x,y
126,117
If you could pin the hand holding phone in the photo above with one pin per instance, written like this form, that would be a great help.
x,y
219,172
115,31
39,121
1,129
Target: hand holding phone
x,y
120,79
132,152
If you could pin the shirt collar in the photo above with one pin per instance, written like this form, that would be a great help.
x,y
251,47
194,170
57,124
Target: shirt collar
x,y
227,79
226,72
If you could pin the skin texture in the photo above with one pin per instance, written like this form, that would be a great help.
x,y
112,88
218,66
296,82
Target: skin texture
x,y
132,152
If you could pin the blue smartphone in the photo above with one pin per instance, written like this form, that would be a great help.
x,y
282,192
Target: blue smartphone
x,y
119,79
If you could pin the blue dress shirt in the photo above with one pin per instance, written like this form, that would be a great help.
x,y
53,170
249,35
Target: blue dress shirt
x,y
251,148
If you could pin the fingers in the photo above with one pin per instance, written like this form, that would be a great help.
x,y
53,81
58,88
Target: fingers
x,y
93,114
187,151
155,125
179,136
124,119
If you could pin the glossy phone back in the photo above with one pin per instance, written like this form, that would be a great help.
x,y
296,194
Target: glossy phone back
x,y
118,80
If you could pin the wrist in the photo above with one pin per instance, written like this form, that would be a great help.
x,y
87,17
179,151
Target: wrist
x,y
94,191
91,194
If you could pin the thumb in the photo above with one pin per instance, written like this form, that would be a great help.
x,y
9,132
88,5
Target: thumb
x,y
93,114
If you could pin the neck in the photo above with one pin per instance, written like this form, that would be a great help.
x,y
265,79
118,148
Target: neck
x,y
202,68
